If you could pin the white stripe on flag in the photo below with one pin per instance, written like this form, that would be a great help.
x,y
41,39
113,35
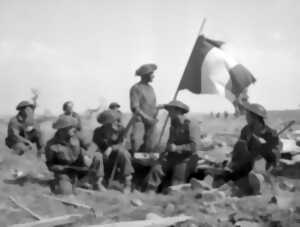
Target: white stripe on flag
x,y
215,75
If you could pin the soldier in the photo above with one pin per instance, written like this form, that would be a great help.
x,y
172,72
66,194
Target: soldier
x,y
143,105
180,159
23,131
114,106
69,162
109,139
257,142
68,110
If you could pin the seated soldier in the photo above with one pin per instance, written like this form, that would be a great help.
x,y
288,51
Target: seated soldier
x,y
69,161
23,131
109,139
180,159
257,141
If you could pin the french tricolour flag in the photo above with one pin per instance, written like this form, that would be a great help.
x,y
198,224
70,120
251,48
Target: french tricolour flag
x,y
211,71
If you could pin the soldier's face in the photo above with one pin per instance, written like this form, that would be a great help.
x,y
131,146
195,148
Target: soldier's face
x,y
27,111
69,108
148,77
116,125
249,118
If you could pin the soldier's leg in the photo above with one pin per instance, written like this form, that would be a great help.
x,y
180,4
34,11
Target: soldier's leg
x,y
157,175
96,171
37,137
62,185
20,148
137,136
126,169
149,138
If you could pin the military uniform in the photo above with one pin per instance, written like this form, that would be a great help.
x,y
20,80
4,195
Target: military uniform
x,y
105,137
249,148
143,98
25,128
177,165
78,119
68,154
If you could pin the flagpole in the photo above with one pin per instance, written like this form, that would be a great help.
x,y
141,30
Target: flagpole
x,y
176,93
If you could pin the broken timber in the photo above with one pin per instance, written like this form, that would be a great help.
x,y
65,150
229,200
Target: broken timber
x,y
23,207
68,202
50,222
161,222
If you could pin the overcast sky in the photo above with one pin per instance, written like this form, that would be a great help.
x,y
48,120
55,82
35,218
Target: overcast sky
x,y
87,51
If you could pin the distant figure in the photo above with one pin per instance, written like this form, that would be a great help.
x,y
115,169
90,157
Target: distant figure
x,y
180,159
257,142
114,106
68,111
218,115
109,139
69,162
143,105
23,131
226,114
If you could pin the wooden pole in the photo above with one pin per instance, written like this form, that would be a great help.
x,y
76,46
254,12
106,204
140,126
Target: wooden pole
x,y
176,94
23,207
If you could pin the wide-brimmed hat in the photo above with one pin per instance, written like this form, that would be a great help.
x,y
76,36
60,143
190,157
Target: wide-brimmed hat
x,y
177,104
108,116
64,121
24,104
145,69
256,109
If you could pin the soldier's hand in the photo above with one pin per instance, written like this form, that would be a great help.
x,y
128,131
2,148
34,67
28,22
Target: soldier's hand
x,y
108,151
171,147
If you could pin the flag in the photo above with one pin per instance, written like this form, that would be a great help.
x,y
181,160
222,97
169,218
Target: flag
x,y
211,71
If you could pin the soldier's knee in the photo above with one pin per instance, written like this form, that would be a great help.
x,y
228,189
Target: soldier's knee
x,y
98,156
63,185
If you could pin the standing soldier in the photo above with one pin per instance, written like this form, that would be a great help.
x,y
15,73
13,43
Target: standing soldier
x,y
143,105
109,139
69,161
258,144
23,131
180,159
68,111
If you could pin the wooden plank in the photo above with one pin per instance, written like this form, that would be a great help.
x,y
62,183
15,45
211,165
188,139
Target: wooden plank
x,y
68,202
161,222
22,206
50,222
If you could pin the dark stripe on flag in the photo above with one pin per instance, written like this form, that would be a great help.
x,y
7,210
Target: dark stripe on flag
x,y
191,78
241,78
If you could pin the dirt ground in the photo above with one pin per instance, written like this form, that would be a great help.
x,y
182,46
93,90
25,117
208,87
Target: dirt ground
x,y
208,209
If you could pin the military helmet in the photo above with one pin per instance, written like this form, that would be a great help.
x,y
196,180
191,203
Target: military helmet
x,y
108,117
177,104
64,121
114,105
24,104
145,69
256,109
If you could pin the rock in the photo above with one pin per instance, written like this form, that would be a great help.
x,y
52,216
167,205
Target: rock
x,y
170,209
152,216
136,202
248,224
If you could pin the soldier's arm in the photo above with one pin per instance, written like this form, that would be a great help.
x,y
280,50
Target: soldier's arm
x,y
99,140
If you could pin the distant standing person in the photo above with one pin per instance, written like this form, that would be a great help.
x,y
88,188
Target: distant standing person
x,y
114,106
143,105
23,131
68,109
